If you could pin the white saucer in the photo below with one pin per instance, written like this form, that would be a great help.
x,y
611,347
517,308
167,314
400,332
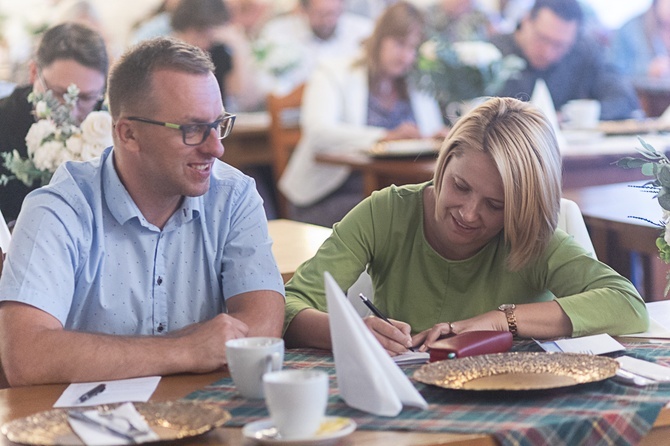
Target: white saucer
x,y
262,432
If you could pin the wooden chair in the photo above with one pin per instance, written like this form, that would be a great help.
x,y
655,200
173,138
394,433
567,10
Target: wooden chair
x,y
284,135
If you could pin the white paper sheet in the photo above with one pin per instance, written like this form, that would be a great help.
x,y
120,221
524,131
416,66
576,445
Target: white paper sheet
x,y
412,358
126,413
367,377
659,321
117,391
594,345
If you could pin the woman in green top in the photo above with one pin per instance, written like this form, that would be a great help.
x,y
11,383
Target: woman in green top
x,y
453,254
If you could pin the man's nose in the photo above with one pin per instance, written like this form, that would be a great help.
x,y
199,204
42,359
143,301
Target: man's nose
x,y
213,145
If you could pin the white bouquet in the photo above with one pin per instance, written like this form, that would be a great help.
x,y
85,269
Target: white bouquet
x,y
56,138
463,70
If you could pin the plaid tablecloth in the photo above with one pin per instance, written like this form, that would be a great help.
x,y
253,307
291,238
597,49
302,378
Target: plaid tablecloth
x,y
598,413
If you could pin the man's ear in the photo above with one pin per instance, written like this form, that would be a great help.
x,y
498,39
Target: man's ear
x,y
126,136
32,71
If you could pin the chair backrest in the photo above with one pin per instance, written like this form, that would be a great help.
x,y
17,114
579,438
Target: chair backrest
x,y
569,219
284,134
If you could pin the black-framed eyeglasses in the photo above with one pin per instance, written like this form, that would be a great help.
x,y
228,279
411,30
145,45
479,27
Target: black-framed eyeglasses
x,y
196,134
82,98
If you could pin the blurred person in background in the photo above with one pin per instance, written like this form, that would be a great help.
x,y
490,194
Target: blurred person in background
x,y
350,104
206,24
68,53
641,47
157,24
296,42
551,40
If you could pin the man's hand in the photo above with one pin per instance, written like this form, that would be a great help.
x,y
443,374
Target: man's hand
x,y
207,341
394,338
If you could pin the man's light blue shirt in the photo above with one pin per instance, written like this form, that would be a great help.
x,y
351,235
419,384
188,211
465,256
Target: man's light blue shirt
x,y
82,252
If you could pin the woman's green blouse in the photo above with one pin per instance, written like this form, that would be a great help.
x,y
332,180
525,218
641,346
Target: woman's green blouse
x,y
413,283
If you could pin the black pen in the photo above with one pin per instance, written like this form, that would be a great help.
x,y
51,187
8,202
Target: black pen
x,y
91,393
376,312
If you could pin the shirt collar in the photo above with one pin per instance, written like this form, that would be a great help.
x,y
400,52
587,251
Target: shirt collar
x,y
123,208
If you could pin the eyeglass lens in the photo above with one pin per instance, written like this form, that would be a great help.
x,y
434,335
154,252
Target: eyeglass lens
x,y
197,134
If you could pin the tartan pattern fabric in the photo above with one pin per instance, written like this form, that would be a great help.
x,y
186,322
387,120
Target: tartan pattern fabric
x,y
605,412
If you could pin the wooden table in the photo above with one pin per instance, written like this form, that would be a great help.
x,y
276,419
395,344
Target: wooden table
x,y
25,401
578,171
607,210
654,94
584,164
248,145
295,242
381,172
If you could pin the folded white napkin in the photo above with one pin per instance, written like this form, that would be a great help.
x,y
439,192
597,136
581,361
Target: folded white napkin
x,y
367,377
123,416
541,98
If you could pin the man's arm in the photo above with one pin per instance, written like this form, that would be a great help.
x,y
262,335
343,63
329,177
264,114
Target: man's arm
x,y
35,349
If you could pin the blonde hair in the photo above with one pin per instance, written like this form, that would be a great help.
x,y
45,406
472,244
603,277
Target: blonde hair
x,y
523,147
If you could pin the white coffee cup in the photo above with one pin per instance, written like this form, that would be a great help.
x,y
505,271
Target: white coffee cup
x,y
296,400
249,359
582,113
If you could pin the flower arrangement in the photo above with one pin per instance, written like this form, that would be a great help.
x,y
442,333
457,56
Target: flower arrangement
x,y
277,59
655,164
56,138
463,71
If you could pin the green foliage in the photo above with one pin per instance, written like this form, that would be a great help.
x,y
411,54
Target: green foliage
x,y
449,79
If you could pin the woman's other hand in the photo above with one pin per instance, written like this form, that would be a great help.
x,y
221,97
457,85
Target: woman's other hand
x,y
489,321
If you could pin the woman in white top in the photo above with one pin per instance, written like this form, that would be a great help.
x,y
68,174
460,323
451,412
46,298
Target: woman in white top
x,y
351,104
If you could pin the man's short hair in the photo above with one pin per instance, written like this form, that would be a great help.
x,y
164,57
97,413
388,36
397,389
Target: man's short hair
x,y
130,79
568,10
199,14
73,41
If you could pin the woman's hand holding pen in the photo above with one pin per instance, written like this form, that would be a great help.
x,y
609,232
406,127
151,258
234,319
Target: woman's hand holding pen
x,y
394,337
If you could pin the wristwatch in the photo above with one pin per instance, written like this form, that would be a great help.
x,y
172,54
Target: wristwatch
x,y
508,309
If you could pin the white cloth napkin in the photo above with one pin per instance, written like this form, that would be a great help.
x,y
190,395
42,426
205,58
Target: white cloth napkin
x,y
123,414
367,377
541,98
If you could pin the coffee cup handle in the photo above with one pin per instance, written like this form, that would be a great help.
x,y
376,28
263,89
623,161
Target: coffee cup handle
x,y
273,362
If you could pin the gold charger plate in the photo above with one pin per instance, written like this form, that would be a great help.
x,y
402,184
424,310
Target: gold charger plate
x,y
517,371
405,148
171,420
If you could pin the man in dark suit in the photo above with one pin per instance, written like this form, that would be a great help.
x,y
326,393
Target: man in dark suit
x,y
551,41
67,54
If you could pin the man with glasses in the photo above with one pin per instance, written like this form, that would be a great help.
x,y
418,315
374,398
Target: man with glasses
x,y
147,260
551,40
67,54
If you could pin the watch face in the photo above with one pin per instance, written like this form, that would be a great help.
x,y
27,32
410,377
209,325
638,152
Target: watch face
x,y
505,307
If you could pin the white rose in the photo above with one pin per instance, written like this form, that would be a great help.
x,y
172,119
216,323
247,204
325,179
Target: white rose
x,y
428,50
666,236
42,110
90,151
48,155
477,54
97,129
74,145
38,132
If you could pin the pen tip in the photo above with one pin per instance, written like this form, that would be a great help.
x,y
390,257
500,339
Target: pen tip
x,y
362,296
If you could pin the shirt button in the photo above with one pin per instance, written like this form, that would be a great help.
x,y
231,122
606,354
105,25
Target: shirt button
x,y
159,280
160,328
